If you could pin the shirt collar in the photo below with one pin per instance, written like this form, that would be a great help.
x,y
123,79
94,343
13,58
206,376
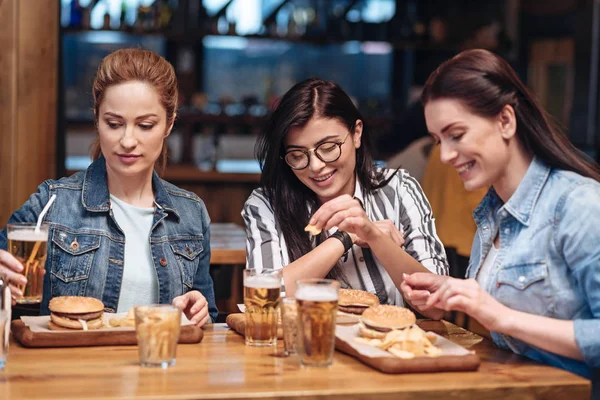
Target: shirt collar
x,y
96,197
523,201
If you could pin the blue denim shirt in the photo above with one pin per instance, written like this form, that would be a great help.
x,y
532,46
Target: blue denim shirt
x,y
549,258
179,240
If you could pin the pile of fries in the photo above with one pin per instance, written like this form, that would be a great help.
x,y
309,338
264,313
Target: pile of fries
x,y
406,343
128,320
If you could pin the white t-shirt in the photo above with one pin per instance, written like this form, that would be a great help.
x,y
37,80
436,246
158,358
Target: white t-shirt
x,y
483,275
140,281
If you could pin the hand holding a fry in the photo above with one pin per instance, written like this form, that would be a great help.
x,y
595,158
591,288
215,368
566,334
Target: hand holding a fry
x,y
12,269
194,306
348,215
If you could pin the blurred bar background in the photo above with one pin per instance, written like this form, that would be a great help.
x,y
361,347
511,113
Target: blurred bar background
x,y
235,58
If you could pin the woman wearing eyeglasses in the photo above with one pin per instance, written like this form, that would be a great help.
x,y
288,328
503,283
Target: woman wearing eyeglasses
x,y
317,169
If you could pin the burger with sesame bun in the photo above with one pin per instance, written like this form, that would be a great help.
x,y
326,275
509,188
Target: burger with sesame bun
x,y
376,321
75,313
354,301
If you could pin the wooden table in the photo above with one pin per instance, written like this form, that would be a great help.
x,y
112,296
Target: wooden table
x,y
221,367
227,244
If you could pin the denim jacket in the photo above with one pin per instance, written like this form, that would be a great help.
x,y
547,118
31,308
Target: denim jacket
x,y
548,262
82,214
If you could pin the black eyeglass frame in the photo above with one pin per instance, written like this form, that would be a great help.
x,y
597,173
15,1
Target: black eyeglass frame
x,y
314,151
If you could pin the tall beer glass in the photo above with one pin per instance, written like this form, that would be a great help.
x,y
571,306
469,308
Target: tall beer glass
x,y
30,248
317,302
262,289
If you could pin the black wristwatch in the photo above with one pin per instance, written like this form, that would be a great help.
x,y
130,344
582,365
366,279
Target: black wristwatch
x,y
343,237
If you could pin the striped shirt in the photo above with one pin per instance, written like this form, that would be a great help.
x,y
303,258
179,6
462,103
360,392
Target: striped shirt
x,y
401,201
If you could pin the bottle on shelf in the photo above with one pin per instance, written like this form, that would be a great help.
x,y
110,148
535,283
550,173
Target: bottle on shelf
x,y
75,20
122,18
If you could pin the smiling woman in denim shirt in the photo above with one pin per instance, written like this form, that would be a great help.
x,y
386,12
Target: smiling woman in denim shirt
x,y
118,232
534,272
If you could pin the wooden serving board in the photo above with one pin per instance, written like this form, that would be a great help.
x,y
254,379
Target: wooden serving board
x,y
443,363
391,365
99,337
237,322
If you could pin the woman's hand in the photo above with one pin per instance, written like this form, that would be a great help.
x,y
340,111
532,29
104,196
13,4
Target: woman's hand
x,y
451,294
194,306
417,288
347,214
11,268
387,227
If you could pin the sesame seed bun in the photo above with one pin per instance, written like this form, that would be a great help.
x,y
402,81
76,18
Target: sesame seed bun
x,y
75,305
356,301
384,318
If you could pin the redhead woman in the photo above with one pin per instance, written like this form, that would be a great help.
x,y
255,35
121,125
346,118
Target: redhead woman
x,y
139,240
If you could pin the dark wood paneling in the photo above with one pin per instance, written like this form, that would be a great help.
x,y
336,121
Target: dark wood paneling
x,y
28,94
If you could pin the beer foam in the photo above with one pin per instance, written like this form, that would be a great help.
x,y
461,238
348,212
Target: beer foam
x,y
262,282
29,235
315,293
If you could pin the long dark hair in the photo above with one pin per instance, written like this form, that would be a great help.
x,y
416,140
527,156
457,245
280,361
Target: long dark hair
x,y
288,196
485,83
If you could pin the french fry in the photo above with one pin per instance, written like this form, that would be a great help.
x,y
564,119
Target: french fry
x,y
313,230
406,343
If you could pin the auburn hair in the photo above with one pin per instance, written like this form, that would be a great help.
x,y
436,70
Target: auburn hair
x,y
126,65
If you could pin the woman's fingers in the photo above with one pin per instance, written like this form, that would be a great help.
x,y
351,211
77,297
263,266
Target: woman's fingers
x,y
199,316
8,261
324,214
15,291
203,321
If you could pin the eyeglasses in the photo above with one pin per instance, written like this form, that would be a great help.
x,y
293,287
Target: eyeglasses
x,y
327,152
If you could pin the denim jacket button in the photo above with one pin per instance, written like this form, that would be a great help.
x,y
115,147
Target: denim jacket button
x,y
521,279
507,231
163,262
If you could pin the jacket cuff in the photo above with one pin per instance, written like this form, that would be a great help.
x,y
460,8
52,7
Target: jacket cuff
x,y
588,340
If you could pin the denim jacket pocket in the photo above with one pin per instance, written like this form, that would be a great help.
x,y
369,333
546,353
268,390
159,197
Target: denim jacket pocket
x,y
523,275
525,287
73,254
186,252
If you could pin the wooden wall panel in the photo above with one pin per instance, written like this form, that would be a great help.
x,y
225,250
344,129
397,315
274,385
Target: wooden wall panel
x,y
29,34
8,10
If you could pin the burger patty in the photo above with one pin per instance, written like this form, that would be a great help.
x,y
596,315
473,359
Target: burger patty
x,y
377,328
84,316
352,309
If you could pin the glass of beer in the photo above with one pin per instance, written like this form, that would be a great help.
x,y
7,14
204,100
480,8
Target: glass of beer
x,y
30,248
317,302
262,289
